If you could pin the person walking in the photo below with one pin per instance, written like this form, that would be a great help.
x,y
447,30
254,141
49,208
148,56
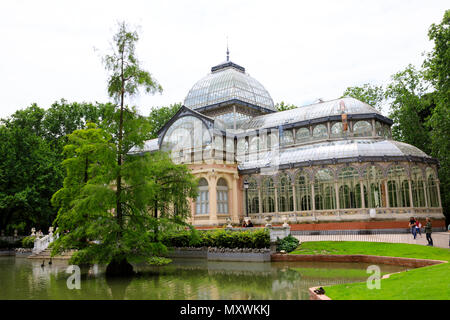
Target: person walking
x,y
412,225
428,231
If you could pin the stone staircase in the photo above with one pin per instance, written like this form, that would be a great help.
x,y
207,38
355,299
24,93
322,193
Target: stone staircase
x,y
45,254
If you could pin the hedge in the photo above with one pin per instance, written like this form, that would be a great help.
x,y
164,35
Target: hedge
x,y
220,238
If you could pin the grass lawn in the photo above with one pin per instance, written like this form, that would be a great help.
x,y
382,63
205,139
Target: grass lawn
x,y
427,283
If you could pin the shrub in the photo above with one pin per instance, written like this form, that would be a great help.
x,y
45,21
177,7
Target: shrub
x,y
28,242
219,238
287,244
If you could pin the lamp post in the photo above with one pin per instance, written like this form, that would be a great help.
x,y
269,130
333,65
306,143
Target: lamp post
x,y
246,197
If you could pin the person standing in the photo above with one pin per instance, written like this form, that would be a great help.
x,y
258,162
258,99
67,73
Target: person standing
x,y
418,227
428,231
412,225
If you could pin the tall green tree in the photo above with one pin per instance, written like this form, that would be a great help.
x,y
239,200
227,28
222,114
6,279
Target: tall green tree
x,y
29,175
125,80
410,107
437,72
368,93
109,195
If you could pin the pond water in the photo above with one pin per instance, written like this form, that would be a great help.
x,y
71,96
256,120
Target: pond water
x,y
183,279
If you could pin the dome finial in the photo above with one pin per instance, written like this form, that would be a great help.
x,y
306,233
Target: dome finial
x,y
228,51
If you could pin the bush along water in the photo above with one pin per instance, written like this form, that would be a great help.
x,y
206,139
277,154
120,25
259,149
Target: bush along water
x,y
287,244
255,239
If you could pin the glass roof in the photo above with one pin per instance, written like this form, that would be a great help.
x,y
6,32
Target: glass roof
x,y
313,111
333,150
227,83
149,145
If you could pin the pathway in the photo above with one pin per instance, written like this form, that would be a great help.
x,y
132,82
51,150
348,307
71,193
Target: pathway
x,y
440,239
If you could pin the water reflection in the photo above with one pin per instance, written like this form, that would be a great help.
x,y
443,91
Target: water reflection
x,y
184,279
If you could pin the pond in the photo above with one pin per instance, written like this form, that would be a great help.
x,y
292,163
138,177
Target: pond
x,y
183,279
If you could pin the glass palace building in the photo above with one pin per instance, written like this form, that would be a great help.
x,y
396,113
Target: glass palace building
x,y
333,161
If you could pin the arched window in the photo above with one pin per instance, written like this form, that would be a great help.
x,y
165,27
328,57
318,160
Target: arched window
x,y
287,137
242,147
222,196
386,131
253,197
349,189
379,128
336,130
285,198
417,187
202,203
302,135
268,195
324,195
320,132
185,135
254,144
433,200
376,196
362,129
303,192
398,187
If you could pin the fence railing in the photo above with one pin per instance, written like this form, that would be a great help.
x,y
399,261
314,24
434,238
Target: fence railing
x,y
40,244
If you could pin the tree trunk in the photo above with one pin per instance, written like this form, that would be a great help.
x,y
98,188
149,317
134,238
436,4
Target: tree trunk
x,y
119,267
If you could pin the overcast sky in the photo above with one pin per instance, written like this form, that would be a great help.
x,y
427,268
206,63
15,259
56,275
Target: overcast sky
x,y
299,50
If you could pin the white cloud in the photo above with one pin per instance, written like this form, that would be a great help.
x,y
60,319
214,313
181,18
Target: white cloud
x,y
299,50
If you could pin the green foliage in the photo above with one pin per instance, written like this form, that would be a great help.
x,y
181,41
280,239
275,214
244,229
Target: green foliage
x,y
28,182
28,242
115,205
281,106
220,238
287,244
87,202
158,261
410,108
437,72
126,75
159,116
368,93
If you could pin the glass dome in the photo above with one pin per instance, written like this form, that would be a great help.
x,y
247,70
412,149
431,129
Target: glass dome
x,y
226,82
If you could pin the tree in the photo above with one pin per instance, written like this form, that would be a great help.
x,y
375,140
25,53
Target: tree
x,y
281,106
29,175
410,107
108,194
159,117
437,72
371,94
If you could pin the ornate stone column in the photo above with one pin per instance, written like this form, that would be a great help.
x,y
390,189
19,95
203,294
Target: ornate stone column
x,y
410,194
438,187
363,200
276,196
234,196
386,192
294,197
336,191
425,192
260,200
212,185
